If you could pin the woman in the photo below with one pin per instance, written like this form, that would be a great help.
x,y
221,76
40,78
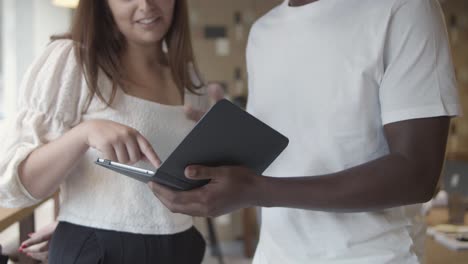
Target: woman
x,y
108,90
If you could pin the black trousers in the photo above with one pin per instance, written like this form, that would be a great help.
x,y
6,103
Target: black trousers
x,y
3,259
73,244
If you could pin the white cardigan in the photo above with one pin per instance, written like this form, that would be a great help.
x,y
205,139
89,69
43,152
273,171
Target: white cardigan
x,y
53,97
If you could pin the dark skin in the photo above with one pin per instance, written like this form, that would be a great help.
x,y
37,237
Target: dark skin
x,y
407,175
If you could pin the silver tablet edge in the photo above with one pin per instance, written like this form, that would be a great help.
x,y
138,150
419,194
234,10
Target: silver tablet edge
x,y
120,165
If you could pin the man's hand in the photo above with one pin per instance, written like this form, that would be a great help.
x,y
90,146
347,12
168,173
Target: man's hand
x,y
407,175
229,189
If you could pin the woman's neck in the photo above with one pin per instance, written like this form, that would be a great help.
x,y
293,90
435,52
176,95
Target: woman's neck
x,y
141,64
146,74
300,2
148,57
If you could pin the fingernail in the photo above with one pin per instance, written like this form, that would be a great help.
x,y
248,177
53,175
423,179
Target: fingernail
x,y
191,172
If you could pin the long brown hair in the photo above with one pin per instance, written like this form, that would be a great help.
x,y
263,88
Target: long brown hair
x,y
99,45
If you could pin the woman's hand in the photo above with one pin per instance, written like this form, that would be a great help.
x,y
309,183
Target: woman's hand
x,y
118,142
37,246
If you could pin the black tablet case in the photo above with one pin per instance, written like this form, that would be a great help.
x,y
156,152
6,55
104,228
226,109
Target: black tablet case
x,y
225,136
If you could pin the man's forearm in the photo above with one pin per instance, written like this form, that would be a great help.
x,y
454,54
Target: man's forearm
x,y
383,183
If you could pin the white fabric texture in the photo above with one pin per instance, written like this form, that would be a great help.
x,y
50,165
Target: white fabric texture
x,y
329,75
53,99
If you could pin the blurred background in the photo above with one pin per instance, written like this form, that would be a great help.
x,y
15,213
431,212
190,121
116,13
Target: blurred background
x,y
220,30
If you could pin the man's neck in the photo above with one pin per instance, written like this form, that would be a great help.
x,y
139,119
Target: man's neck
x,y
300,2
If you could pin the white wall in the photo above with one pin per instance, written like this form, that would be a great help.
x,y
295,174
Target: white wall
x,y
49,20
1,38
1,58
26,28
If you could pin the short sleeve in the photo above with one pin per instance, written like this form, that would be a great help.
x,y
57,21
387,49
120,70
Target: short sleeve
x,y
52,97
419,79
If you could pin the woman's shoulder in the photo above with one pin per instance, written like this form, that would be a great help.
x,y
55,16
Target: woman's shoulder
x,y
62,41
55,56
53,78
60,46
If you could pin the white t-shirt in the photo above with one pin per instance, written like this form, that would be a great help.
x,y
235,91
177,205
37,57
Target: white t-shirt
x,y
329,75
52,101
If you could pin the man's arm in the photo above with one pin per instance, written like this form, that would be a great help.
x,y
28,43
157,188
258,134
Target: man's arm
x,y
407,175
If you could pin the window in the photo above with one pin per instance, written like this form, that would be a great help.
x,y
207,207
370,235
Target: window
x,y
1,59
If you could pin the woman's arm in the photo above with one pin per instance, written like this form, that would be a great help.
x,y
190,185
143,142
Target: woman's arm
x,y
46,167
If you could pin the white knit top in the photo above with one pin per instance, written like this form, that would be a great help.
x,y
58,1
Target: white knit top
x,y
52,100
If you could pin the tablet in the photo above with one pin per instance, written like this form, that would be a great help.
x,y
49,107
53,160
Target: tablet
x,y
225,136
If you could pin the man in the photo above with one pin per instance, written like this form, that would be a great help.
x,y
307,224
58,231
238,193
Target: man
x,y
364,90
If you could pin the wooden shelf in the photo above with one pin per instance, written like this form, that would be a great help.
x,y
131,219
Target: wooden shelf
x,y
458,156
436,253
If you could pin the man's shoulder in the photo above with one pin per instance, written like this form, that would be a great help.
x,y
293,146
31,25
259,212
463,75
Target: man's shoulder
x,y
357,7
269,17
392,5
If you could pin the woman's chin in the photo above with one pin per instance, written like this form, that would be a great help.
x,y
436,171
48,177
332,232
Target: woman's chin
x,y
148,41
